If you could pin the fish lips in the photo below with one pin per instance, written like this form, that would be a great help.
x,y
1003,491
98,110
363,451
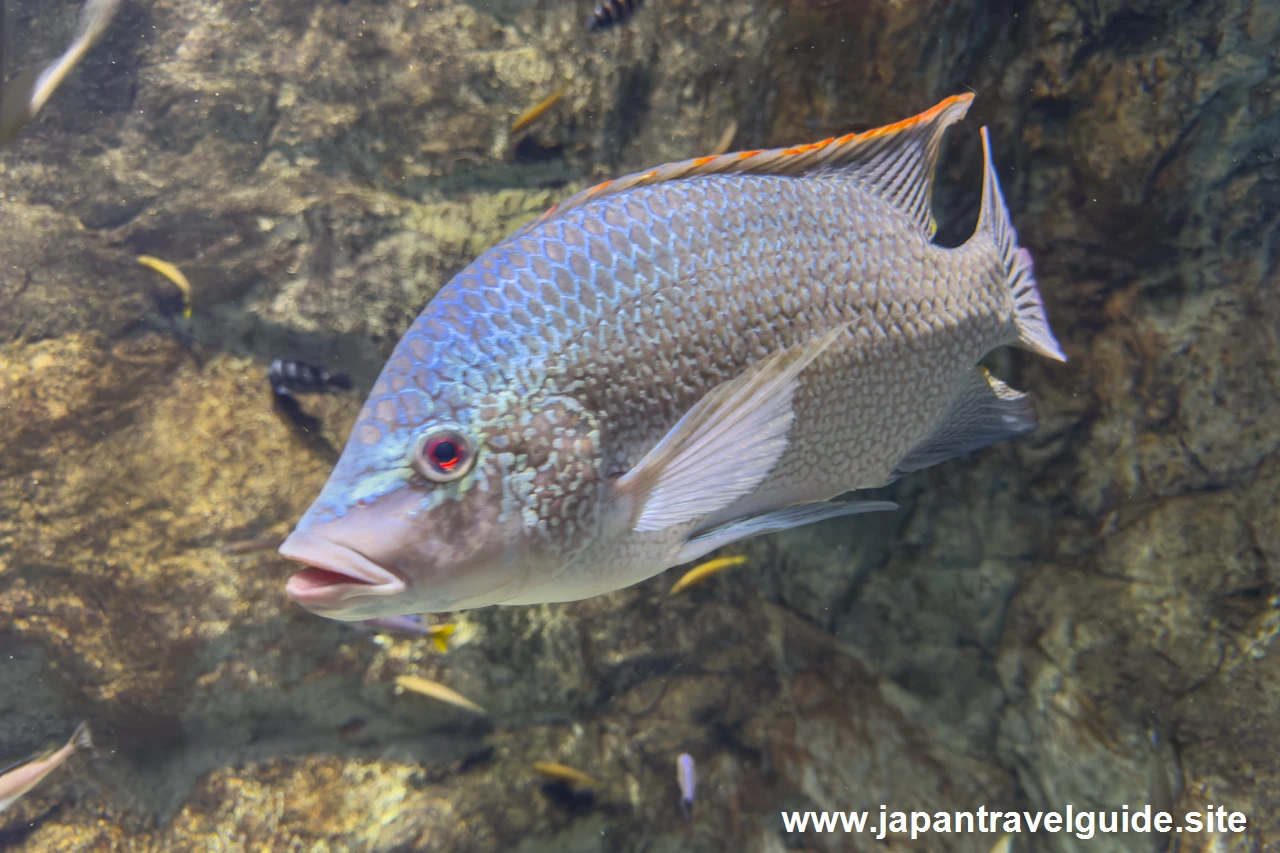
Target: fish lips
x,y
336,577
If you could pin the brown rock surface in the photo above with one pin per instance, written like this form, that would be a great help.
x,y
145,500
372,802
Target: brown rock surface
x,y
1084,616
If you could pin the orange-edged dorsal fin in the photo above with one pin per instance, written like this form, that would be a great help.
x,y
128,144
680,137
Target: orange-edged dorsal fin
x,y
895,162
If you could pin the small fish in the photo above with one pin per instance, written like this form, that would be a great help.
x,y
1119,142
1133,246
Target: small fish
x,y
687,778
265,542
407,624
726,139
565,773
410,624
26,94
435,690
1004,845
669,363
289,376
174,275
610,13
21,778
440,635
700,573
536,111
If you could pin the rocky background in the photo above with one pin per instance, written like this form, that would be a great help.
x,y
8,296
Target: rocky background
x,y
1084,616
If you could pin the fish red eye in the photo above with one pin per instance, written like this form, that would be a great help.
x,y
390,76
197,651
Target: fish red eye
x,y
443,454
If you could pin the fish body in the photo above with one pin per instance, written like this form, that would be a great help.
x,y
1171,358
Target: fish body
x,y
706,570
687,779
726,139
565,773
668,363
175,275
610,13
22,97
536,111
435,690
18,780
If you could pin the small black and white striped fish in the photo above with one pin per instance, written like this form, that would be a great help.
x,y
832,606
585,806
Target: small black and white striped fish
x,y
610,13
293,376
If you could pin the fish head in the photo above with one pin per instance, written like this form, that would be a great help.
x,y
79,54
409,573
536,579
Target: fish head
x,y
446,503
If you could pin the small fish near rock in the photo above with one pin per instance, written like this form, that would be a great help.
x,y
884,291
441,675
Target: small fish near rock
x,y
535,112
21,778
564,773
22,97
436,690
687,779
174,275
703,571
289,377
668,363
726,139
409,625
611,13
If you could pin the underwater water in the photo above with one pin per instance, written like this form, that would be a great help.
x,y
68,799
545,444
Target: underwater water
x,y
217,219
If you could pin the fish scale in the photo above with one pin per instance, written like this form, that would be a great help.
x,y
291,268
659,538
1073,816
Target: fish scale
x,y
780,303
670,362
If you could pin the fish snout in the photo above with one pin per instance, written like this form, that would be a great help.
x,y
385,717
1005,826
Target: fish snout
x,y
338,582
410,550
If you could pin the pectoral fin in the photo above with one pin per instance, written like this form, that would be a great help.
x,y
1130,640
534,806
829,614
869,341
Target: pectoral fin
x,y
724,446
772,522
983,411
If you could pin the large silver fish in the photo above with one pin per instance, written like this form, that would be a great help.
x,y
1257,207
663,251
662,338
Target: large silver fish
x,y
670,362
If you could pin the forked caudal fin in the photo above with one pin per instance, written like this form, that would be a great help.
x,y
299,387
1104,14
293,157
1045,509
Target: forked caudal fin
x,y
1029,319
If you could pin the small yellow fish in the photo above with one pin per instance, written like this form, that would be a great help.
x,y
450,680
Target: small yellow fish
x,y
440,635
564,773
726,139
698,574
535,112
1004,845
174,275
435,690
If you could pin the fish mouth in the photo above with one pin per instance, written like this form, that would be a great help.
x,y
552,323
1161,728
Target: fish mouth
x,y
334,575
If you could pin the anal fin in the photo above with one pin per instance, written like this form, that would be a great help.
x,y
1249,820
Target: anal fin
x,y
983,411
772,522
